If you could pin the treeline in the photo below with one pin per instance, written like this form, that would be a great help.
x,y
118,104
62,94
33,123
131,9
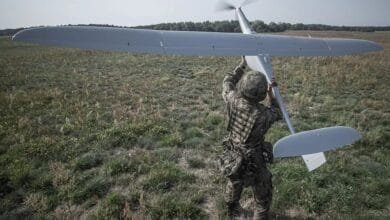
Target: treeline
x,y
9,32
233,26
258,26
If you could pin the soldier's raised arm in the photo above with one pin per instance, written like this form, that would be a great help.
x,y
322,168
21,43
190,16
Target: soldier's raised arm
x,y
274,112
230,81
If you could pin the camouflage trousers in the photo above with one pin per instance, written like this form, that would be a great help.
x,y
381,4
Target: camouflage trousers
x,y
252,172
262,193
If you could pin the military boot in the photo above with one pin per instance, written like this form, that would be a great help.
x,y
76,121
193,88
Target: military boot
x,y
261,214
234,210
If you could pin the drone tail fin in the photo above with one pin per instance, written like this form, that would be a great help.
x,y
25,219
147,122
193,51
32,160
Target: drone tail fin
x,y
311,144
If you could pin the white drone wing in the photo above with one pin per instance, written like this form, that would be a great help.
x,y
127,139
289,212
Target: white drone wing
x,y
258,49
191,43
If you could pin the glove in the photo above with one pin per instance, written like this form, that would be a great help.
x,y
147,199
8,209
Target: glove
x,y
243,63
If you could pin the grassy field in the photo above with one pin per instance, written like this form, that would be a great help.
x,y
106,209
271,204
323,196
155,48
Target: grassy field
x,y
99,135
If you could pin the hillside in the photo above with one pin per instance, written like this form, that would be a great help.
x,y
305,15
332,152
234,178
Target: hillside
x,y
113,135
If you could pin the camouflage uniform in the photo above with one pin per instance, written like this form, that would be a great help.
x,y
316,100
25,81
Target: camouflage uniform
x,y
245,151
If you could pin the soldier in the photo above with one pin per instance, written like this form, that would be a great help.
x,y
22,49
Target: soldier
x,y
245,152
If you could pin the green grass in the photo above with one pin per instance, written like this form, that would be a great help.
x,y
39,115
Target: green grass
x,y
112,135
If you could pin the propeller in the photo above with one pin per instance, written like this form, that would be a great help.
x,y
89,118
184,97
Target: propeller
x,y
226,6
247,2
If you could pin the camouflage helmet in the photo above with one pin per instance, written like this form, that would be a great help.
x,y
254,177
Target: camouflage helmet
x,y
253,86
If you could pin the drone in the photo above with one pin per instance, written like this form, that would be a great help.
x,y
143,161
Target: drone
x,y
258,50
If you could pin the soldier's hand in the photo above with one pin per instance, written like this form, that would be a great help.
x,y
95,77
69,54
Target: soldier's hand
x,y
273,84
243,63
270,86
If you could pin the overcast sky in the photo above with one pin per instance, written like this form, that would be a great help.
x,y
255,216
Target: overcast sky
x,y
26,13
